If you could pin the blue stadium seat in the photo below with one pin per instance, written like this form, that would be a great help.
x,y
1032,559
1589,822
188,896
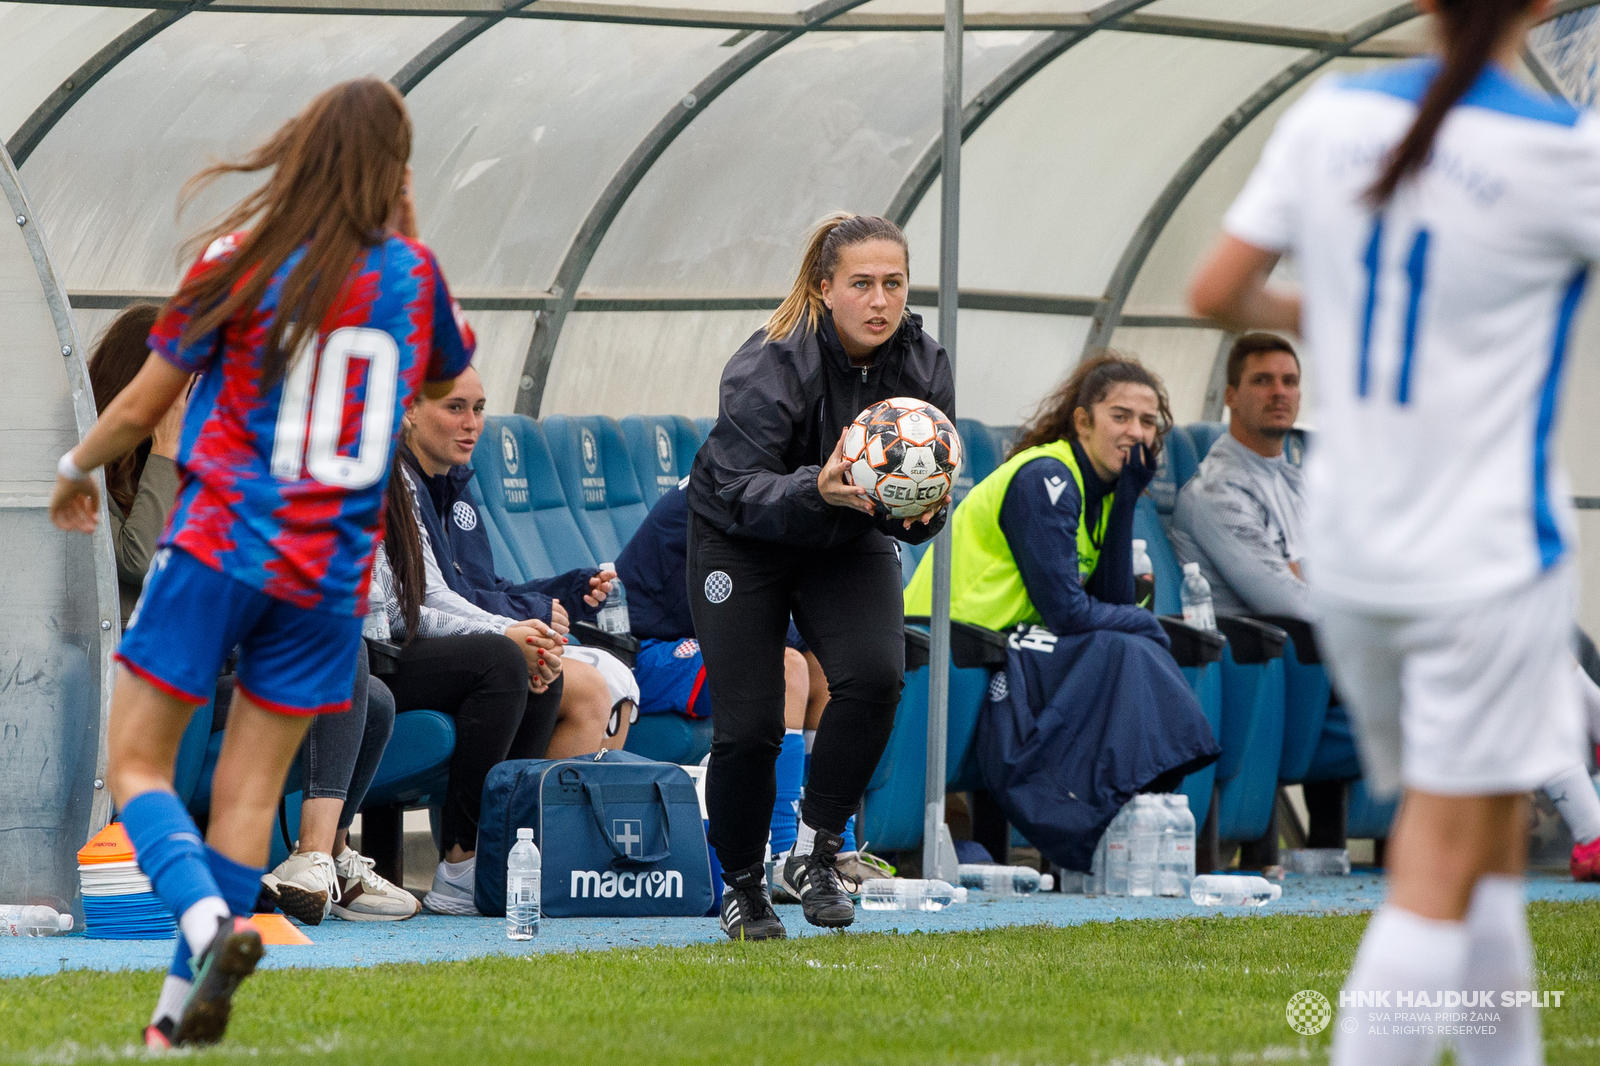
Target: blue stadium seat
x,y
505,560
980,456
1204,435
1252,729
1251,712
192,752
521,491
662,448
704,426
894,798
670,738
1368,818
597,476
414,772
1176,465
1003,437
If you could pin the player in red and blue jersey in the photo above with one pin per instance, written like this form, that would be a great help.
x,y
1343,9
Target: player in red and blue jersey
x,y
286,449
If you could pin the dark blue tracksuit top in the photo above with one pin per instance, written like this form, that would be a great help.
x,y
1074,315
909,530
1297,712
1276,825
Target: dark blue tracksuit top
x,y
461,545
1039,517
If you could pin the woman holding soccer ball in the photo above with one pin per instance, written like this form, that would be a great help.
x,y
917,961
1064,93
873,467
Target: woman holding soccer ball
x,y
778,528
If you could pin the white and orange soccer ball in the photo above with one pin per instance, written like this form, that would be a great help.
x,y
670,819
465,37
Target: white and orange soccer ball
x,y
904,452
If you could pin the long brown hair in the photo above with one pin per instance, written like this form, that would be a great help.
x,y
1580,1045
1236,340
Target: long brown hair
x,y
402,543
117,358
338,173
1090,382
1472,30
829,237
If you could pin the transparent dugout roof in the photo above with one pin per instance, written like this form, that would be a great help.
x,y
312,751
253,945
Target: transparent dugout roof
x,y
1332,15
832,122
1053,185
520,131
105,181
41,44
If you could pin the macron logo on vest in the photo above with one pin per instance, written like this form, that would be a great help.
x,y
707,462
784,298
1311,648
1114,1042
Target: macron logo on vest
x,y
1054,486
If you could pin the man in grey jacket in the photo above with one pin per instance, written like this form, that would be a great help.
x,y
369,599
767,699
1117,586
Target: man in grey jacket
x,y
1240,516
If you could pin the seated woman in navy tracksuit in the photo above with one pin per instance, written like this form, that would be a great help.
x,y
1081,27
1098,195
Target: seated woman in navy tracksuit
x,y
600,697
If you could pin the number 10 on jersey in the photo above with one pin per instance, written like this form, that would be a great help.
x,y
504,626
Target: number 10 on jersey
x,y
310,423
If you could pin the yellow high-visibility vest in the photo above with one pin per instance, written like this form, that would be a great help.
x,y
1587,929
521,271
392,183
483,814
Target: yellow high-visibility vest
x,y
986,587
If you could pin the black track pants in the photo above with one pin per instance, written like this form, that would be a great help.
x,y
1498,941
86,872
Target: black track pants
x,y
846,604
481,681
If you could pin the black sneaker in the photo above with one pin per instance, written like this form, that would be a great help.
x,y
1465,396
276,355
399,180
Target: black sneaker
x,y
816,881
231,958
747,913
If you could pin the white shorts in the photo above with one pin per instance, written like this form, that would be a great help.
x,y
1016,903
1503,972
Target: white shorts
x,y
619,679
1473,699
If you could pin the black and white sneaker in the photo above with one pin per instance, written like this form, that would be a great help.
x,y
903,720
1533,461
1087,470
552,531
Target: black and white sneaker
x,y
815,879
231,958
747,913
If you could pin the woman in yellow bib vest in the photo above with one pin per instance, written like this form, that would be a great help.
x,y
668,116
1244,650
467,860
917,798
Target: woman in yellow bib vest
x,y
1092,707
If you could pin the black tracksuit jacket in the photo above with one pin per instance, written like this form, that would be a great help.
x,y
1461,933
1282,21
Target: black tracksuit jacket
x,y
783,405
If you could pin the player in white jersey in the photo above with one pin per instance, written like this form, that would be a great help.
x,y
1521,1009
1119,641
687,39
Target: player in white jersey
x,y
1442,217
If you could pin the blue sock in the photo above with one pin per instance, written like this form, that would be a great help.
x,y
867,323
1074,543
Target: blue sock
x,y
169,849
240,884
180,959
786,808
849,835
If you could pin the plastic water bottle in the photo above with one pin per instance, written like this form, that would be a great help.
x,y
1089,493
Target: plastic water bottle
x,y
523,876
1144,577
1000,880
1095,883
1196,595
1177,843
1317,862
902,894
613,617
1233,890
1167,875
33,921
1117,854
1144,843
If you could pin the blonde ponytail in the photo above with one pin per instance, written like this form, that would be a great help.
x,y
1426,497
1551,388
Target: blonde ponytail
x,y
828,238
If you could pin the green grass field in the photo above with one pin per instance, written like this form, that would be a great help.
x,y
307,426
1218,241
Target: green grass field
x,y
1141,992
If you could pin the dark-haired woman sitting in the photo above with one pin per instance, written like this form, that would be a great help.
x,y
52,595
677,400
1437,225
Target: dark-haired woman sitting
x,y
143,484
1091,708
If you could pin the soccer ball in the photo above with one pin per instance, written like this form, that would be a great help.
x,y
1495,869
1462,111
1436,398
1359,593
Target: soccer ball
x,y
904,452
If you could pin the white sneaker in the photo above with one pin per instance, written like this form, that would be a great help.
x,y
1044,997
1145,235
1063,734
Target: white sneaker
x,y
303,886
366,897
452,891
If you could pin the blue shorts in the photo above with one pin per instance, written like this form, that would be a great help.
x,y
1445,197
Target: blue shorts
x,y
189,617
672,677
